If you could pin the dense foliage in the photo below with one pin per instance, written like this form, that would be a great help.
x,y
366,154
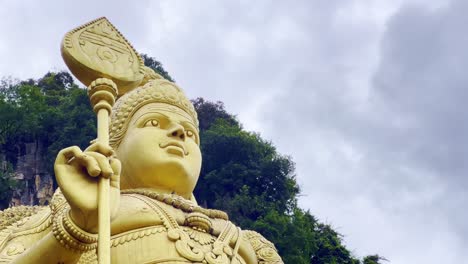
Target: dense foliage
x,y
156,66
7,184
242,173
52,111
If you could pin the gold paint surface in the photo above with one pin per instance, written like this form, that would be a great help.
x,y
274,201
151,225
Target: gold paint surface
x,y
98,50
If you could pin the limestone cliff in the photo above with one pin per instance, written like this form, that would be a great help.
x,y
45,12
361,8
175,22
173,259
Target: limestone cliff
x,y
35,182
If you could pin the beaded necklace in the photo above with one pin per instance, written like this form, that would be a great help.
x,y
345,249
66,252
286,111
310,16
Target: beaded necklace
x,y
178,202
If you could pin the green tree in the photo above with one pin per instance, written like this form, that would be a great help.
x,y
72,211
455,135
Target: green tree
x,y
9,116
209,113
294,235
373,259
234,158
51,111
156,66
7,184
330,247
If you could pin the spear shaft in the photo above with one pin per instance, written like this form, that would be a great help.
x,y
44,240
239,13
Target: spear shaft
x,y
102,93
102,58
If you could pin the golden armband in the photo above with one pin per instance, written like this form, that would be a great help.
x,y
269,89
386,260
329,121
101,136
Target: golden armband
x,y
70,235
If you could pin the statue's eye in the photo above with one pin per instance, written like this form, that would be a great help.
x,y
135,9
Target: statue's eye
x,y
190,133
152,122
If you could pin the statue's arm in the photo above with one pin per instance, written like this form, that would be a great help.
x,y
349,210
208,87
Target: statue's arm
x,y
48,250
36,238
264,250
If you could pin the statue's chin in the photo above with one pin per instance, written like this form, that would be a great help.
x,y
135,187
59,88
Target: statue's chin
x,y
172,175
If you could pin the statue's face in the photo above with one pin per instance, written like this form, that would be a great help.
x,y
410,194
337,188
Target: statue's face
x,y
160,150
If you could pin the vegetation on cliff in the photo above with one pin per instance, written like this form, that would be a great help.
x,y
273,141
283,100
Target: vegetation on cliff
x,y
242,173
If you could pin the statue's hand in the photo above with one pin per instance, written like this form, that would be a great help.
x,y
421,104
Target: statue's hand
x,y
78,173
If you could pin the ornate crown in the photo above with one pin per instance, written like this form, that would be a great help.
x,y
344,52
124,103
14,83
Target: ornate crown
x,y
156,90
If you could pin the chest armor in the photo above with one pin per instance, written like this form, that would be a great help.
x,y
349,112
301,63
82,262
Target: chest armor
x,y
171,243
192,238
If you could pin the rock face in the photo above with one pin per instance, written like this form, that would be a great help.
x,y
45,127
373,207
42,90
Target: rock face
x,y
36,184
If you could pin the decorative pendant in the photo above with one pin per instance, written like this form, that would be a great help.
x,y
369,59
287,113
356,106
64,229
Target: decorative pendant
x,y
199,221
184,246
201,237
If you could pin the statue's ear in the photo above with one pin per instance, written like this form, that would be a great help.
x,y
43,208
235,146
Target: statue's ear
x,y
192,198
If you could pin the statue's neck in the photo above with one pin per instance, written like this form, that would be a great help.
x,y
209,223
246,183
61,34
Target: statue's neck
x,y
128,183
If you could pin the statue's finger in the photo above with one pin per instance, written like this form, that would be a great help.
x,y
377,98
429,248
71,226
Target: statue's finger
x,y
89,162
66,154
103,163
99,147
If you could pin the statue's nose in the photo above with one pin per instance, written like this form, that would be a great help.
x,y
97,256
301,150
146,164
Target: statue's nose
x,y
177,131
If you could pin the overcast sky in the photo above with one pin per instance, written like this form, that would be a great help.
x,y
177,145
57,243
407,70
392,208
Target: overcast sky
x,y
367,96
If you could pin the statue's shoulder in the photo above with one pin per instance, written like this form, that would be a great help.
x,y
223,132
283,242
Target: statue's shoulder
x,y
265,250
21,227
12,215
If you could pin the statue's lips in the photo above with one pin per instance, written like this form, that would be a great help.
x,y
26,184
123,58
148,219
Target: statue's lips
x,y
174,147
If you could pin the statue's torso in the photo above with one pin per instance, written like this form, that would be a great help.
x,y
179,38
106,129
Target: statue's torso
x,y
151,231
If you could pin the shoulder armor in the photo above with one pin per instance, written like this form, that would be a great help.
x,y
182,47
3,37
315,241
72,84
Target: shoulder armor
x,y
264,249
27,225
15,214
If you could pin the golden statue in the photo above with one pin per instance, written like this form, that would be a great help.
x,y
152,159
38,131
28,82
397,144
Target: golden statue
x,y
128,197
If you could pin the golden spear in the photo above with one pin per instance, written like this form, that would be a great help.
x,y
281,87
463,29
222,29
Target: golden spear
x,y
102,59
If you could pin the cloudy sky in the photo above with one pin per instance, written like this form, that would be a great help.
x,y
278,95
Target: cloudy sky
x,y
367,96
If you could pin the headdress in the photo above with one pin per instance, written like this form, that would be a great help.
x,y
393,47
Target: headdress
x,y
155,90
